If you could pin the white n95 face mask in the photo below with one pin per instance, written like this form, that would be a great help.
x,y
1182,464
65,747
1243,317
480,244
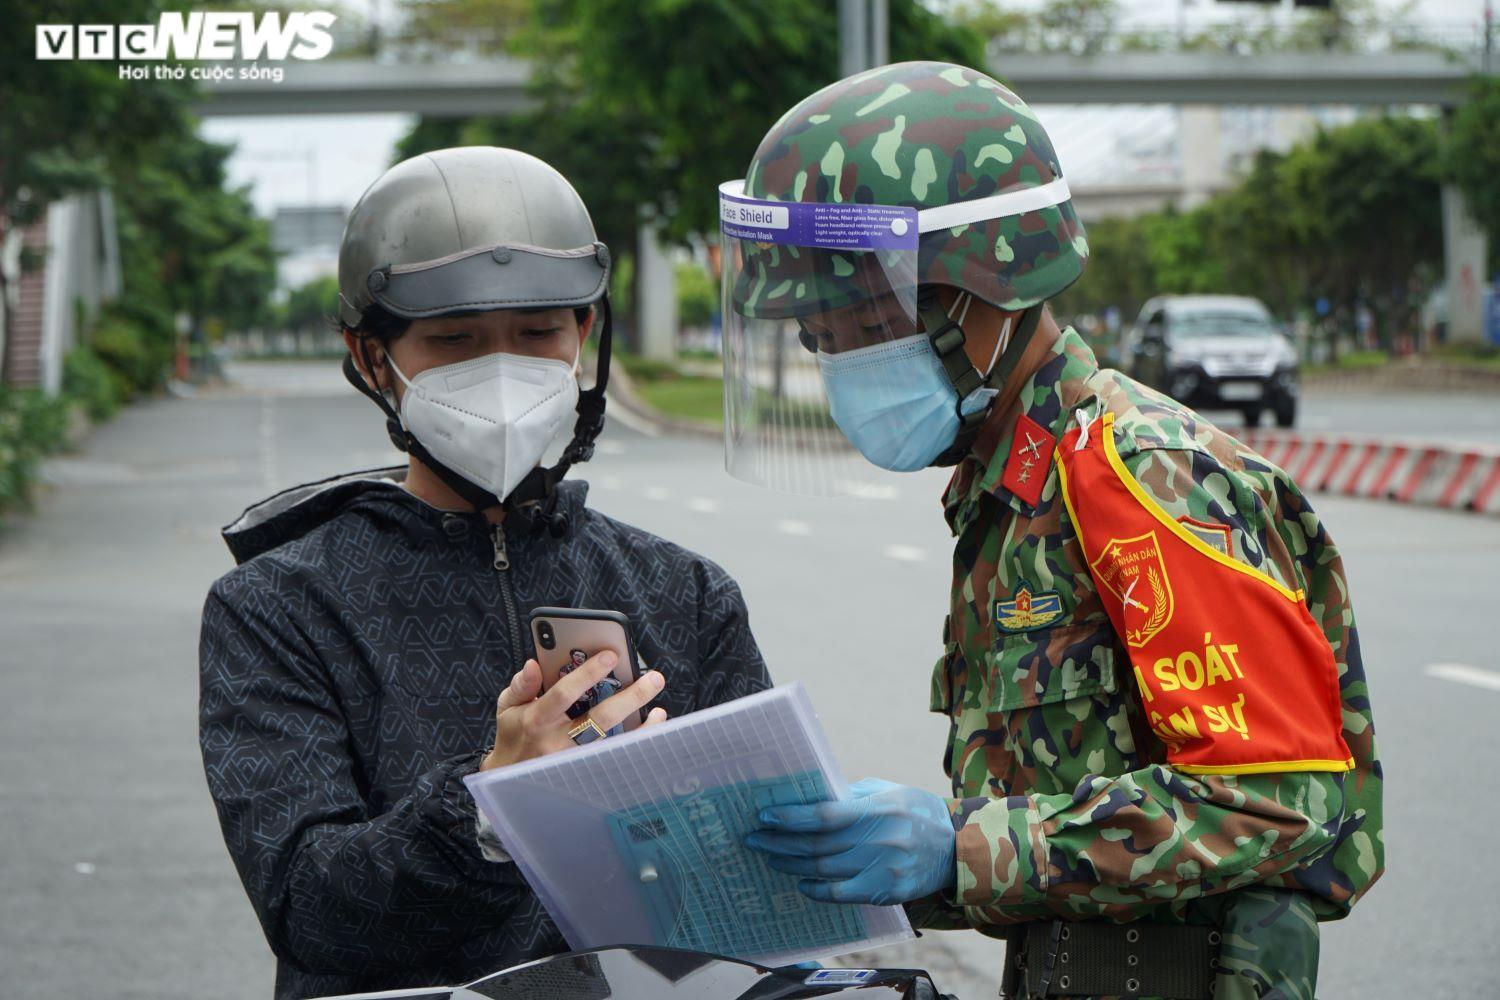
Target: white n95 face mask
x,y
490,419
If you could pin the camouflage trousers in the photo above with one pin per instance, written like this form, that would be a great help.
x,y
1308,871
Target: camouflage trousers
x,y
1270,947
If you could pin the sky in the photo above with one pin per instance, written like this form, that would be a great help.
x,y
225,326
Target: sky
x,y
330,160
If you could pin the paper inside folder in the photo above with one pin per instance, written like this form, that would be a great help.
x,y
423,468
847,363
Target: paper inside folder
x,y
639,838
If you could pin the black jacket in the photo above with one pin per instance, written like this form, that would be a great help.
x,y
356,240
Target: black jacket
x,y
349,670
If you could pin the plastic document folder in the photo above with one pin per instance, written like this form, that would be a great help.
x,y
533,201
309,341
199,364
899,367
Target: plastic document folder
x,y
639,838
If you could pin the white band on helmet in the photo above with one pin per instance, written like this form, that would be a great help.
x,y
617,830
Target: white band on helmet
x,y
996,206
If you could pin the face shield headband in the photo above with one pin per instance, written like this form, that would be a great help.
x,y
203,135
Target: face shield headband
x,y
739,211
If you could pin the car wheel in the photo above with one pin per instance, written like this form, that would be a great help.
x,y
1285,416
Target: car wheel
x,y
1286,412
1252,415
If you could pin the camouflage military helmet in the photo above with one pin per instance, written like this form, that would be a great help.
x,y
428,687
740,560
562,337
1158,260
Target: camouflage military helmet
x,y
931,135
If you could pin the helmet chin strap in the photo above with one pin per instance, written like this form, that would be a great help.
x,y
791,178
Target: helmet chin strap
x,y
947,337
532,504
1000,344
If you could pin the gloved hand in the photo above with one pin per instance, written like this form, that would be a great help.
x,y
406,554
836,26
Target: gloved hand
x,y
887,845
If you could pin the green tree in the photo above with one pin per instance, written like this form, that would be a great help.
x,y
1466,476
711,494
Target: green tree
x,y
697,296
1081,27
1256,238
476,25
1086,27
1118,273
196,247
186,242
1472,156
1363,202
309,305
691,83
648,105
65,124
1351,215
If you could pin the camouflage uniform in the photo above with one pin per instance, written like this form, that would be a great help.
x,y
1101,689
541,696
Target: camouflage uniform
x,y
1065,804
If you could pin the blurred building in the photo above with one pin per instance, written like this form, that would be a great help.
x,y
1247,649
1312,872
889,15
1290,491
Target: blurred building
x,y
306,239
72,267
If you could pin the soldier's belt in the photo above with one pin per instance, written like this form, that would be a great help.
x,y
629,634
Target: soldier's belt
x,y
1075,959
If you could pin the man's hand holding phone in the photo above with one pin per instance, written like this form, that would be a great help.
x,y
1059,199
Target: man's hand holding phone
x,y
530,722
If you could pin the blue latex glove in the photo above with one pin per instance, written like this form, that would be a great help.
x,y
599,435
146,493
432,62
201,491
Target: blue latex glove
x,y
887,845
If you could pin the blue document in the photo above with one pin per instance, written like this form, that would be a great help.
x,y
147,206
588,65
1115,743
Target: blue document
x,y
705,891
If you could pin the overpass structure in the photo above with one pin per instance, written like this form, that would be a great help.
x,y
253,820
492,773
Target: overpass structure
x,y
499,85
1199,82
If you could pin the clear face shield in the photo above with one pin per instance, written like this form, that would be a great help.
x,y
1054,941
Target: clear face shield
x,y
817,299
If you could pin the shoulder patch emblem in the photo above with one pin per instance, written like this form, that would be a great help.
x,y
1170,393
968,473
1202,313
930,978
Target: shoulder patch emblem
x,y
1134,570
1215,536
1026,611
1029,461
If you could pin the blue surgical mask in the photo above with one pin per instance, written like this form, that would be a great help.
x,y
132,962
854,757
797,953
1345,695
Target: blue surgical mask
x,y
893,401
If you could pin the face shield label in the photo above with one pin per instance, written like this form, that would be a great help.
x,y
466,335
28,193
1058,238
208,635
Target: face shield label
x,y
820,225
747,216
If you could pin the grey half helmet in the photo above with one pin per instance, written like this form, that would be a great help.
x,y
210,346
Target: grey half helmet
x,y
474,228
469,228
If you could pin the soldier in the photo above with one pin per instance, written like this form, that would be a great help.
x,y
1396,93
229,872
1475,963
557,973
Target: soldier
x,y
1161,750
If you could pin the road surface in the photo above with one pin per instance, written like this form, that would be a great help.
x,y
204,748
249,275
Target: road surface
x,y
116,879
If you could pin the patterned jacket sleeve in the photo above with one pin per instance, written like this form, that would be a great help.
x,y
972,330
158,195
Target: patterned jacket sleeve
x,y
730,664
1158,835
337,888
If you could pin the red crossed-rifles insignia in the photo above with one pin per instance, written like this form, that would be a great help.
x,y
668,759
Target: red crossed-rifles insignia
x,y
1029,461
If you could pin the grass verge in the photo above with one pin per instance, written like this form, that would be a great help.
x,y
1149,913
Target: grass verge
x,y
685,397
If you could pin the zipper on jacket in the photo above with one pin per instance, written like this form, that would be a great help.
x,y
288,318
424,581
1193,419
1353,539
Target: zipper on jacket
x,y
512,613
502,558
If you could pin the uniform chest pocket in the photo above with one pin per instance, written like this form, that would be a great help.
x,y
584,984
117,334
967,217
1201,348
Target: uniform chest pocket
x,y
1051,665
1056,714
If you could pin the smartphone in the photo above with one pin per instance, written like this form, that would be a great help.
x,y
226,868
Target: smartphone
x,y
565,637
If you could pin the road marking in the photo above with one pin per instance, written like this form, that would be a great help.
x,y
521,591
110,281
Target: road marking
x,y
905,553
871,491
609,447
656,493
703,505
800,528
1464,674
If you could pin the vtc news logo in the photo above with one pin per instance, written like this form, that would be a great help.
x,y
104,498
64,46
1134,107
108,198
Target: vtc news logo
x,y
195,36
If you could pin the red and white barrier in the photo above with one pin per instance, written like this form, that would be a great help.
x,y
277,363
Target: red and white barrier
x,y
1460,477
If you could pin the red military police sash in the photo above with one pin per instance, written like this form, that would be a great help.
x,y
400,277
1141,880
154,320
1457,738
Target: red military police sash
x,y
1234,675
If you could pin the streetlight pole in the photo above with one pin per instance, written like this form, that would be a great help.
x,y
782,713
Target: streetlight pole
x,y
1489,35
864,35
880,32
